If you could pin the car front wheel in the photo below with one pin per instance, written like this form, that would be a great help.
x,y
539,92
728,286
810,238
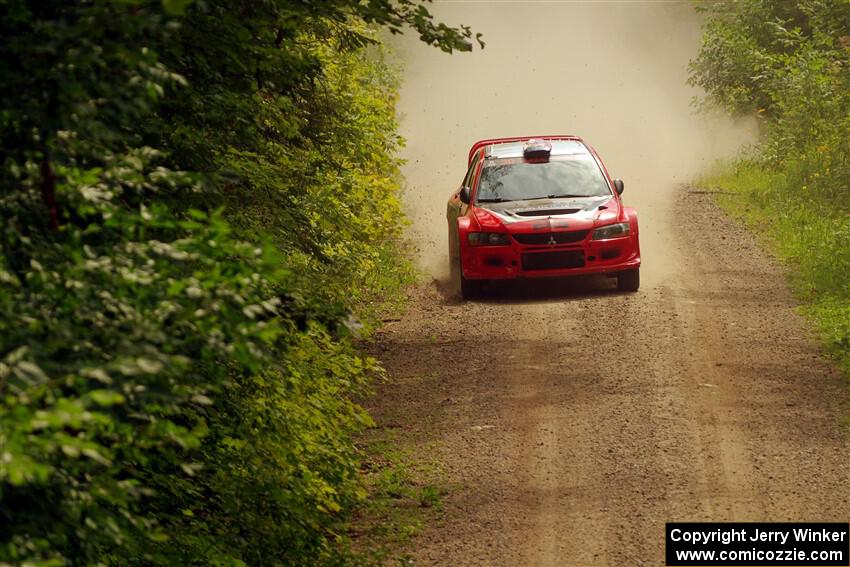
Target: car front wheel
x,y
469,289
628,280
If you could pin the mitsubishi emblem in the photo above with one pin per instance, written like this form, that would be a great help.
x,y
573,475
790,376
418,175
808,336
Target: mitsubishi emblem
x,y
552,239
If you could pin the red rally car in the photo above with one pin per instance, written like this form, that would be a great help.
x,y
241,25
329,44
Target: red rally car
x,y
541,206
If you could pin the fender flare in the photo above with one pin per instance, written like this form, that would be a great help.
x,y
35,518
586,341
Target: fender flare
x,y
462,227
632,217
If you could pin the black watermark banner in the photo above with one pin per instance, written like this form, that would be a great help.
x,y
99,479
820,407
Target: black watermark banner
x,y
748,543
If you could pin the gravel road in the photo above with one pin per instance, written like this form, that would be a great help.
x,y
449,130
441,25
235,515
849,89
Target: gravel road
x,y
573,421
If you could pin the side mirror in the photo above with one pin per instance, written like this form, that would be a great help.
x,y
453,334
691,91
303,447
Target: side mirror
x,y
464,195
618,185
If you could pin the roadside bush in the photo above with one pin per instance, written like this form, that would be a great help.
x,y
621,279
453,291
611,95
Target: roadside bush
x,y
811,235
790,63
198,203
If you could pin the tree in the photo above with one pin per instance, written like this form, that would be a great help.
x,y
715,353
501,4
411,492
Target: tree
x,y
195,198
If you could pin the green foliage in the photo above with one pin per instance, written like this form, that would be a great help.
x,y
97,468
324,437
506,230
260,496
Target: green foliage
x,y
749,46
790,63
809,233
199,206
404,493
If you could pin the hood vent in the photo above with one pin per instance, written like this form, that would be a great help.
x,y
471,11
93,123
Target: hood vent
x,y
544,212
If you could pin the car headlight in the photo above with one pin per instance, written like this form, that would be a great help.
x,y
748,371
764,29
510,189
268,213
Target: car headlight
x,y
612,231
488,239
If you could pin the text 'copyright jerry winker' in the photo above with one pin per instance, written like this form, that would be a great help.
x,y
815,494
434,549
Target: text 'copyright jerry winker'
x,y
763,544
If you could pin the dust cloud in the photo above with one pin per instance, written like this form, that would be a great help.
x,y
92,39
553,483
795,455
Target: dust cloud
x,y
613,73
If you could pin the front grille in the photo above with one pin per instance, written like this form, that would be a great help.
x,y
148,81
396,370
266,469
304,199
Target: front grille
x,y
553,260
548,237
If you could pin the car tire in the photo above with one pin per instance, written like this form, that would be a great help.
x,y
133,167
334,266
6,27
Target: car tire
x,y
628,280
470,289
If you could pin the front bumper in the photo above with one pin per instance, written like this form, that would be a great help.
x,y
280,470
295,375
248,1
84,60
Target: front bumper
x,y
540,261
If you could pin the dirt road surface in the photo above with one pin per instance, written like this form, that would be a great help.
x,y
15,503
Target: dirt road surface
x,y
573,421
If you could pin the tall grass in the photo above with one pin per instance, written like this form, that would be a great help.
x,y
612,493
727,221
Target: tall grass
x,y
788,63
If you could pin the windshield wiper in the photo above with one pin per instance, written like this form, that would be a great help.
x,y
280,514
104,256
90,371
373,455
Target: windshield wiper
x,y
495,200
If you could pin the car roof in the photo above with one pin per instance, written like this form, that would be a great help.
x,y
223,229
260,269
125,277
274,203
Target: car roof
x,y
513,147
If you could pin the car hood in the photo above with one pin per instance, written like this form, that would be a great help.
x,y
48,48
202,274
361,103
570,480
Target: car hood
x,y
567,213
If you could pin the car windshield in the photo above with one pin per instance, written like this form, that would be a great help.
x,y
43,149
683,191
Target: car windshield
x,y
518,180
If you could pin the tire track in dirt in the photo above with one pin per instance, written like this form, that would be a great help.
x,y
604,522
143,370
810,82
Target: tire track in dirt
x,y
573,421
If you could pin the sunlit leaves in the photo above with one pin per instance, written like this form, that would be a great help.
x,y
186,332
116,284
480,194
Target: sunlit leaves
x,y
199,204
790,63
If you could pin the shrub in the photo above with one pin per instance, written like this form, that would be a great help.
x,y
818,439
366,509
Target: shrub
x,y
790,62
198,202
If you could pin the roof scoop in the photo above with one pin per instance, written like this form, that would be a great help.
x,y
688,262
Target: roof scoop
x,y
537,149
